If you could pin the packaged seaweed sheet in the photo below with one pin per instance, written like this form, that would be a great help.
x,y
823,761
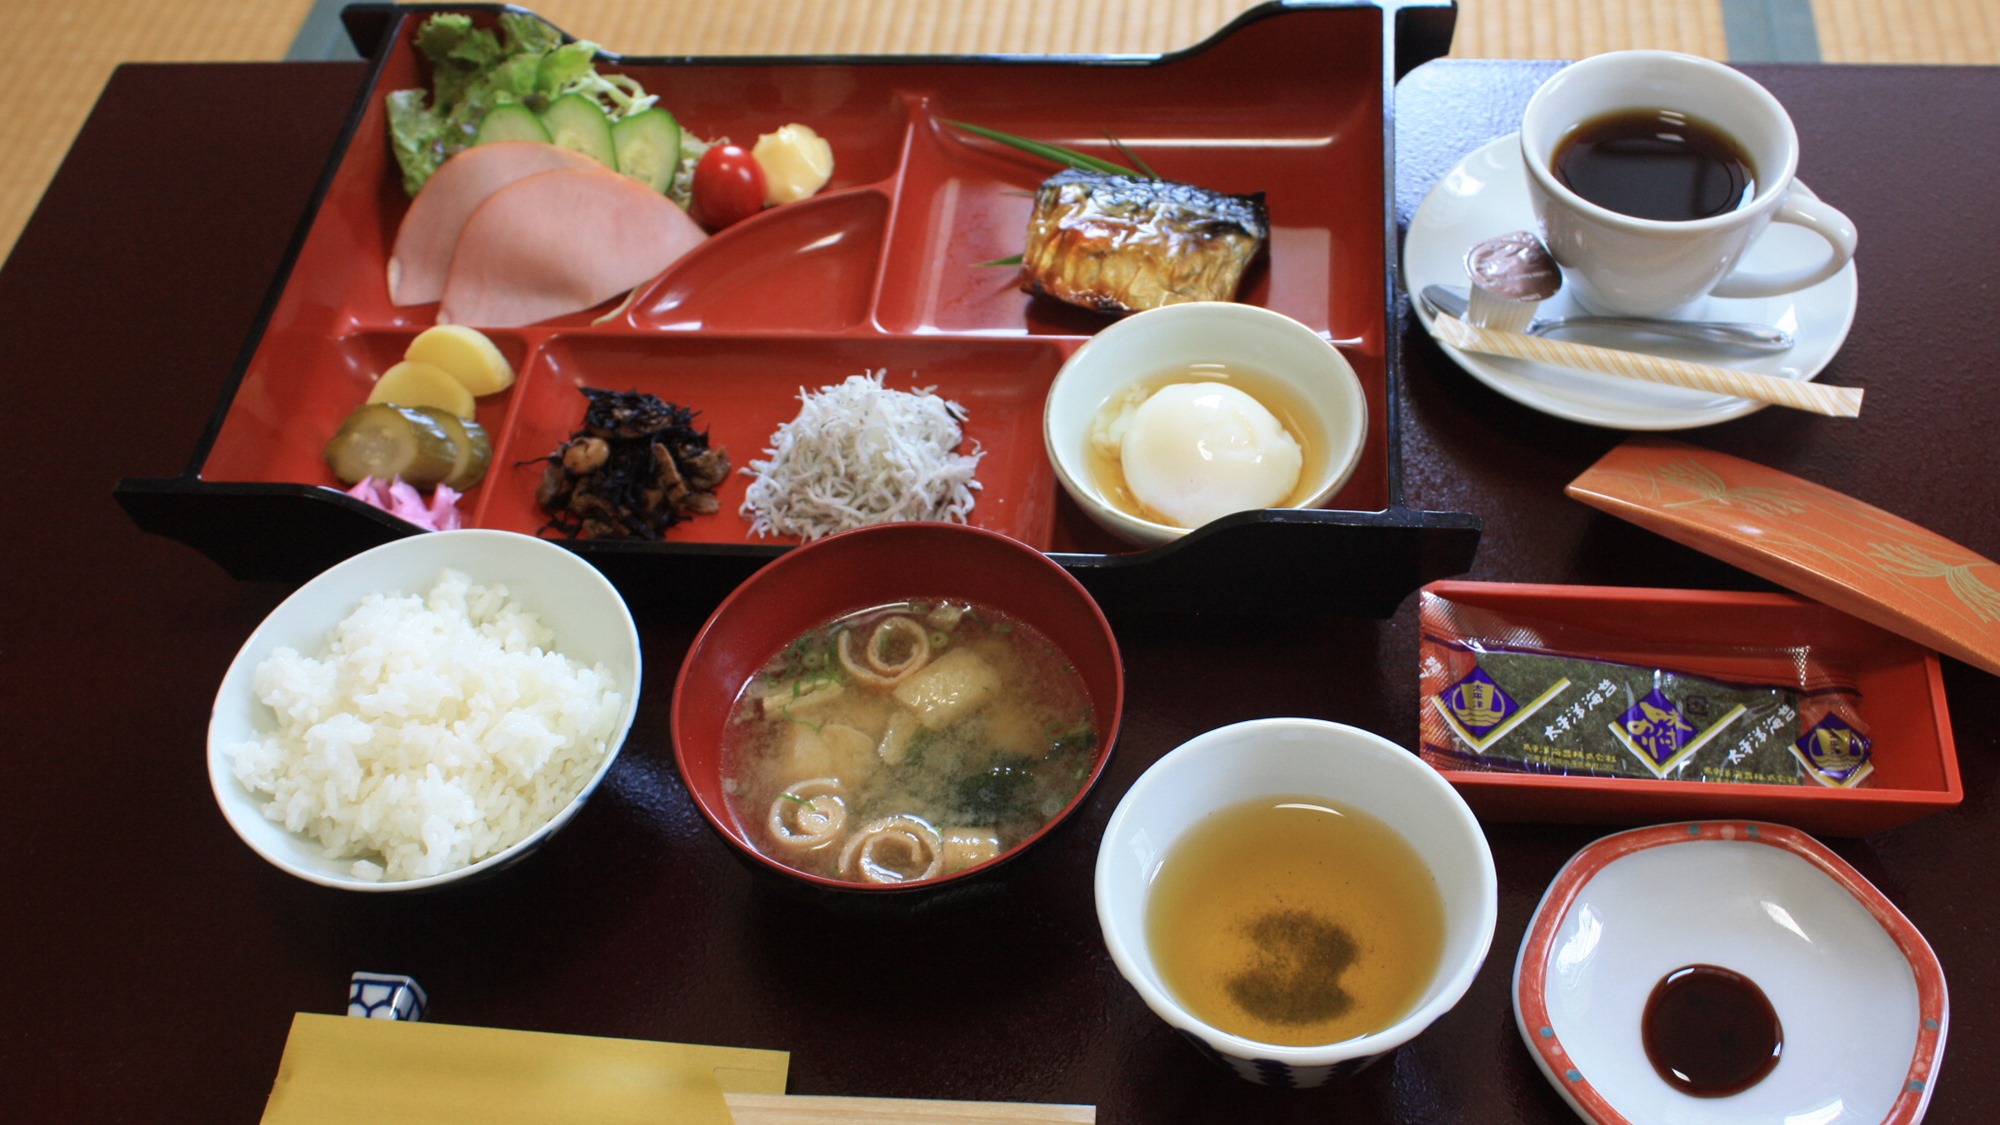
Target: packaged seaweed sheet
x,y
1511,693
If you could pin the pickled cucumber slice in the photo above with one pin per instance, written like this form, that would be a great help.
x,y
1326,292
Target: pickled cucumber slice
x,y
385,442
511,122
466,355
576,122
475,449
649,147
423,384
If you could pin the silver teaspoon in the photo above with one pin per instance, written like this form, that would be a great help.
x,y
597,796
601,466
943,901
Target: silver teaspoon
x,y
1730,334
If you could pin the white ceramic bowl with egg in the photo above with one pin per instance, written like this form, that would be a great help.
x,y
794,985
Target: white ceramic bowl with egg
x,y
1202,456
591,625
1304,760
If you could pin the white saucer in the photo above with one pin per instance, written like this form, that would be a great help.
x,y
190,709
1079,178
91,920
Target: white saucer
x,y
1859,994
1487,195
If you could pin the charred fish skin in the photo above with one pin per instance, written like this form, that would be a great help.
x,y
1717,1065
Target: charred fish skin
x,y
1122,244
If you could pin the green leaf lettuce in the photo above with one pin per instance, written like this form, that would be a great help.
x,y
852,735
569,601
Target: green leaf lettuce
x,y
473,70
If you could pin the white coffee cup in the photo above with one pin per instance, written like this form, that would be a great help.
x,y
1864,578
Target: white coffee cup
x,y
1617,263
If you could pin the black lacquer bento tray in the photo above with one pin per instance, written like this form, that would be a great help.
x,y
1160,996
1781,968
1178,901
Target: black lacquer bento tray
x,y
881,270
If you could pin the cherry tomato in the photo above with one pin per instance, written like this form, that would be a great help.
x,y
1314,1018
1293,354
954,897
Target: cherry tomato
x,y
728,187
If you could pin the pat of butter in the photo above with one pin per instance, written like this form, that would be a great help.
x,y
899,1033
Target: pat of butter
x,y
796,161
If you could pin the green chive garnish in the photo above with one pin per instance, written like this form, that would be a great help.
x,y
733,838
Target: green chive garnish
x,y
1057,153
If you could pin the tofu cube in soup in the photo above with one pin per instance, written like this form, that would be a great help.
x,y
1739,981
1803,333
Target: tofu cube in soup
x,y
949,688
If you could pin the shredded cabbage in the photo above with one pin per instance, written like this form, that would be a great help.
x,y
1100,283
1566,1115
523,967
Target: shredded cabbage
x,y
860,454
619,94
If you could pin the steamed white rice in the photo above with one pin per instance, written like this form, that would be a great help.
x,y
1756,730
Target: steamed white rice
x,y
433,731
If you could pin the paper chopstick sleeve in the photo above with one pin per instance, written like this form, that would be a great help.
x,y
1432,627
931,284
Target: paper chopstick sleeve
x,y
1799,394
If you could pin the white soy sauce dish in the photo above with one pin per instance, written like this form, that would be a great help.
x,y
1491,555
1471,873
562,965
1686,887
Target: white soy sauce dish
x,y
1857,995
1299,380
591,626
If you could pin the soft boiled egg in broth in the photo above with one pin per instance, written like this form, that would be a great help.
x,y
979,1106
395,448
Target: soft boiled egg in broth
x,y
1190,445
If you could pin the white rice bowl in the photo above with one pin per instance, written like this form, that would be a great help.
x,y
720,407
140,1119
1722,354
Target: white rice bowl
x,y
430,709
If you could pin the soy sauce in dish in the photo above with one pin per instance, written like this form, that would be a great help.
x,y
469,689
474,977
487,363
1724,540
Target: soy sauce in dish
x,y
1710,1032
1655,164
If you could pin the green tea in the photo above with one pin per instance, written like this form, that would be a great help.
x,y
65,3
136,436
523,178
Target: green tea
x,y
1295,921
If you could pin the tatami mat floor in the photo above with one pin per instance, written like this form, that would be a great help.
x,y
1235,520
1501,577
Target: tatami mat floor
x,y
63,51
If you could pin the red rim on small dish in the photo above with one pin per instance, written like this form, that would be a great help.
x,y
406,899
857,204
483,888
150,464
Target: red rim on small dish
x,y
1531,1008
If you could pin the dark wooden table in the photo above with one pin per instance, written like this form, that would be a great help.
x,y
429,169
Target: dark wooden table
x,y
156,962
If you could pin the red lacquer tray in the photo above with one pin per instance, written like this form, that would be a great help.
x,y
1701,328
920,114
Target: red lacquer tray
x,y
879,271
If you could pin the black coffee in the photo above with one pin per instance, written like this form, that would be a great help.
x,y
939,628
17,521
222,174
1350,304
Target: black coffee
x,y
1655,164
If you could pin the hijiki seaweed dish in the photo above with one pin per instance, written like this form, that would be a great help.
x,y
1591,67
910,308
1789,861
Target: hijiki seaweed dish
x,y
636,468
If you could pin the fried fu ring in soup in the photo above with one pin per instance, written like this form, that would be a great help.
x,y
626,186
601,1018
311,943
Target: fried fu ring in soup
x,y
896,647
895,849
808,814
969,847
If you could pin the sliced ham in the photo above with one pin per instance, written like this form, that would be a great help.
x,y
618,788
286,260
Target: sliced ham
x,y
430,229
561,242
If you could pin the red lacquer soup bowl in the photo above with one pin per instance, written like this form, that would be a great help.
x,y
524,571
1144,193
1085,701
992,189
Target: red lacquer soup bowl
x,y
929,563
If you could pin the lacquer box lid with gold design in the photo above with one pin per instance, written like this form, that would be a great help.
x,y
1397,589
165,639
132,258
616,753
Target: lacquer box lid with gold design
x,y
1808,538
1896,683
1881,598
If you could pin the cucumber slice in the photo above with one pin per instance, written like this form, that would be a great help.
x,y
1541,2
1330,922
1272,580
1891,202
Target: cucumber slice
x,y
511,122
649,147
475,449
385,442
577,122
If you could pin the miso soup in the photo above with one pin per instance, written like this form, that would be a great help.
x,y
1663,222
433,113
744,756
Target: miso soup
x,y
1295,921
906,742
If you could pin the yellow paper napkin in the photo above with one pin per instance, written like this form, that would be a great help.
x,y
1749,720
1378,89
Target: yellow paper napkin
x,y
809,1109
339,1069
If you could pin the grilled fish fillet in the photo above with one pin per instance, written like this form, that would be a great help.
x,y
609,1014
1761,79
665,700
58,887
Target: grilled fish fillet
x,y
1122,244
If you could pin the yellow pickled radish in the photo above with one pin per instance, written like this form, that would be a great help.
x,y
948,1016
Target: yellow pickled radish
x,y
412,383
466,354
